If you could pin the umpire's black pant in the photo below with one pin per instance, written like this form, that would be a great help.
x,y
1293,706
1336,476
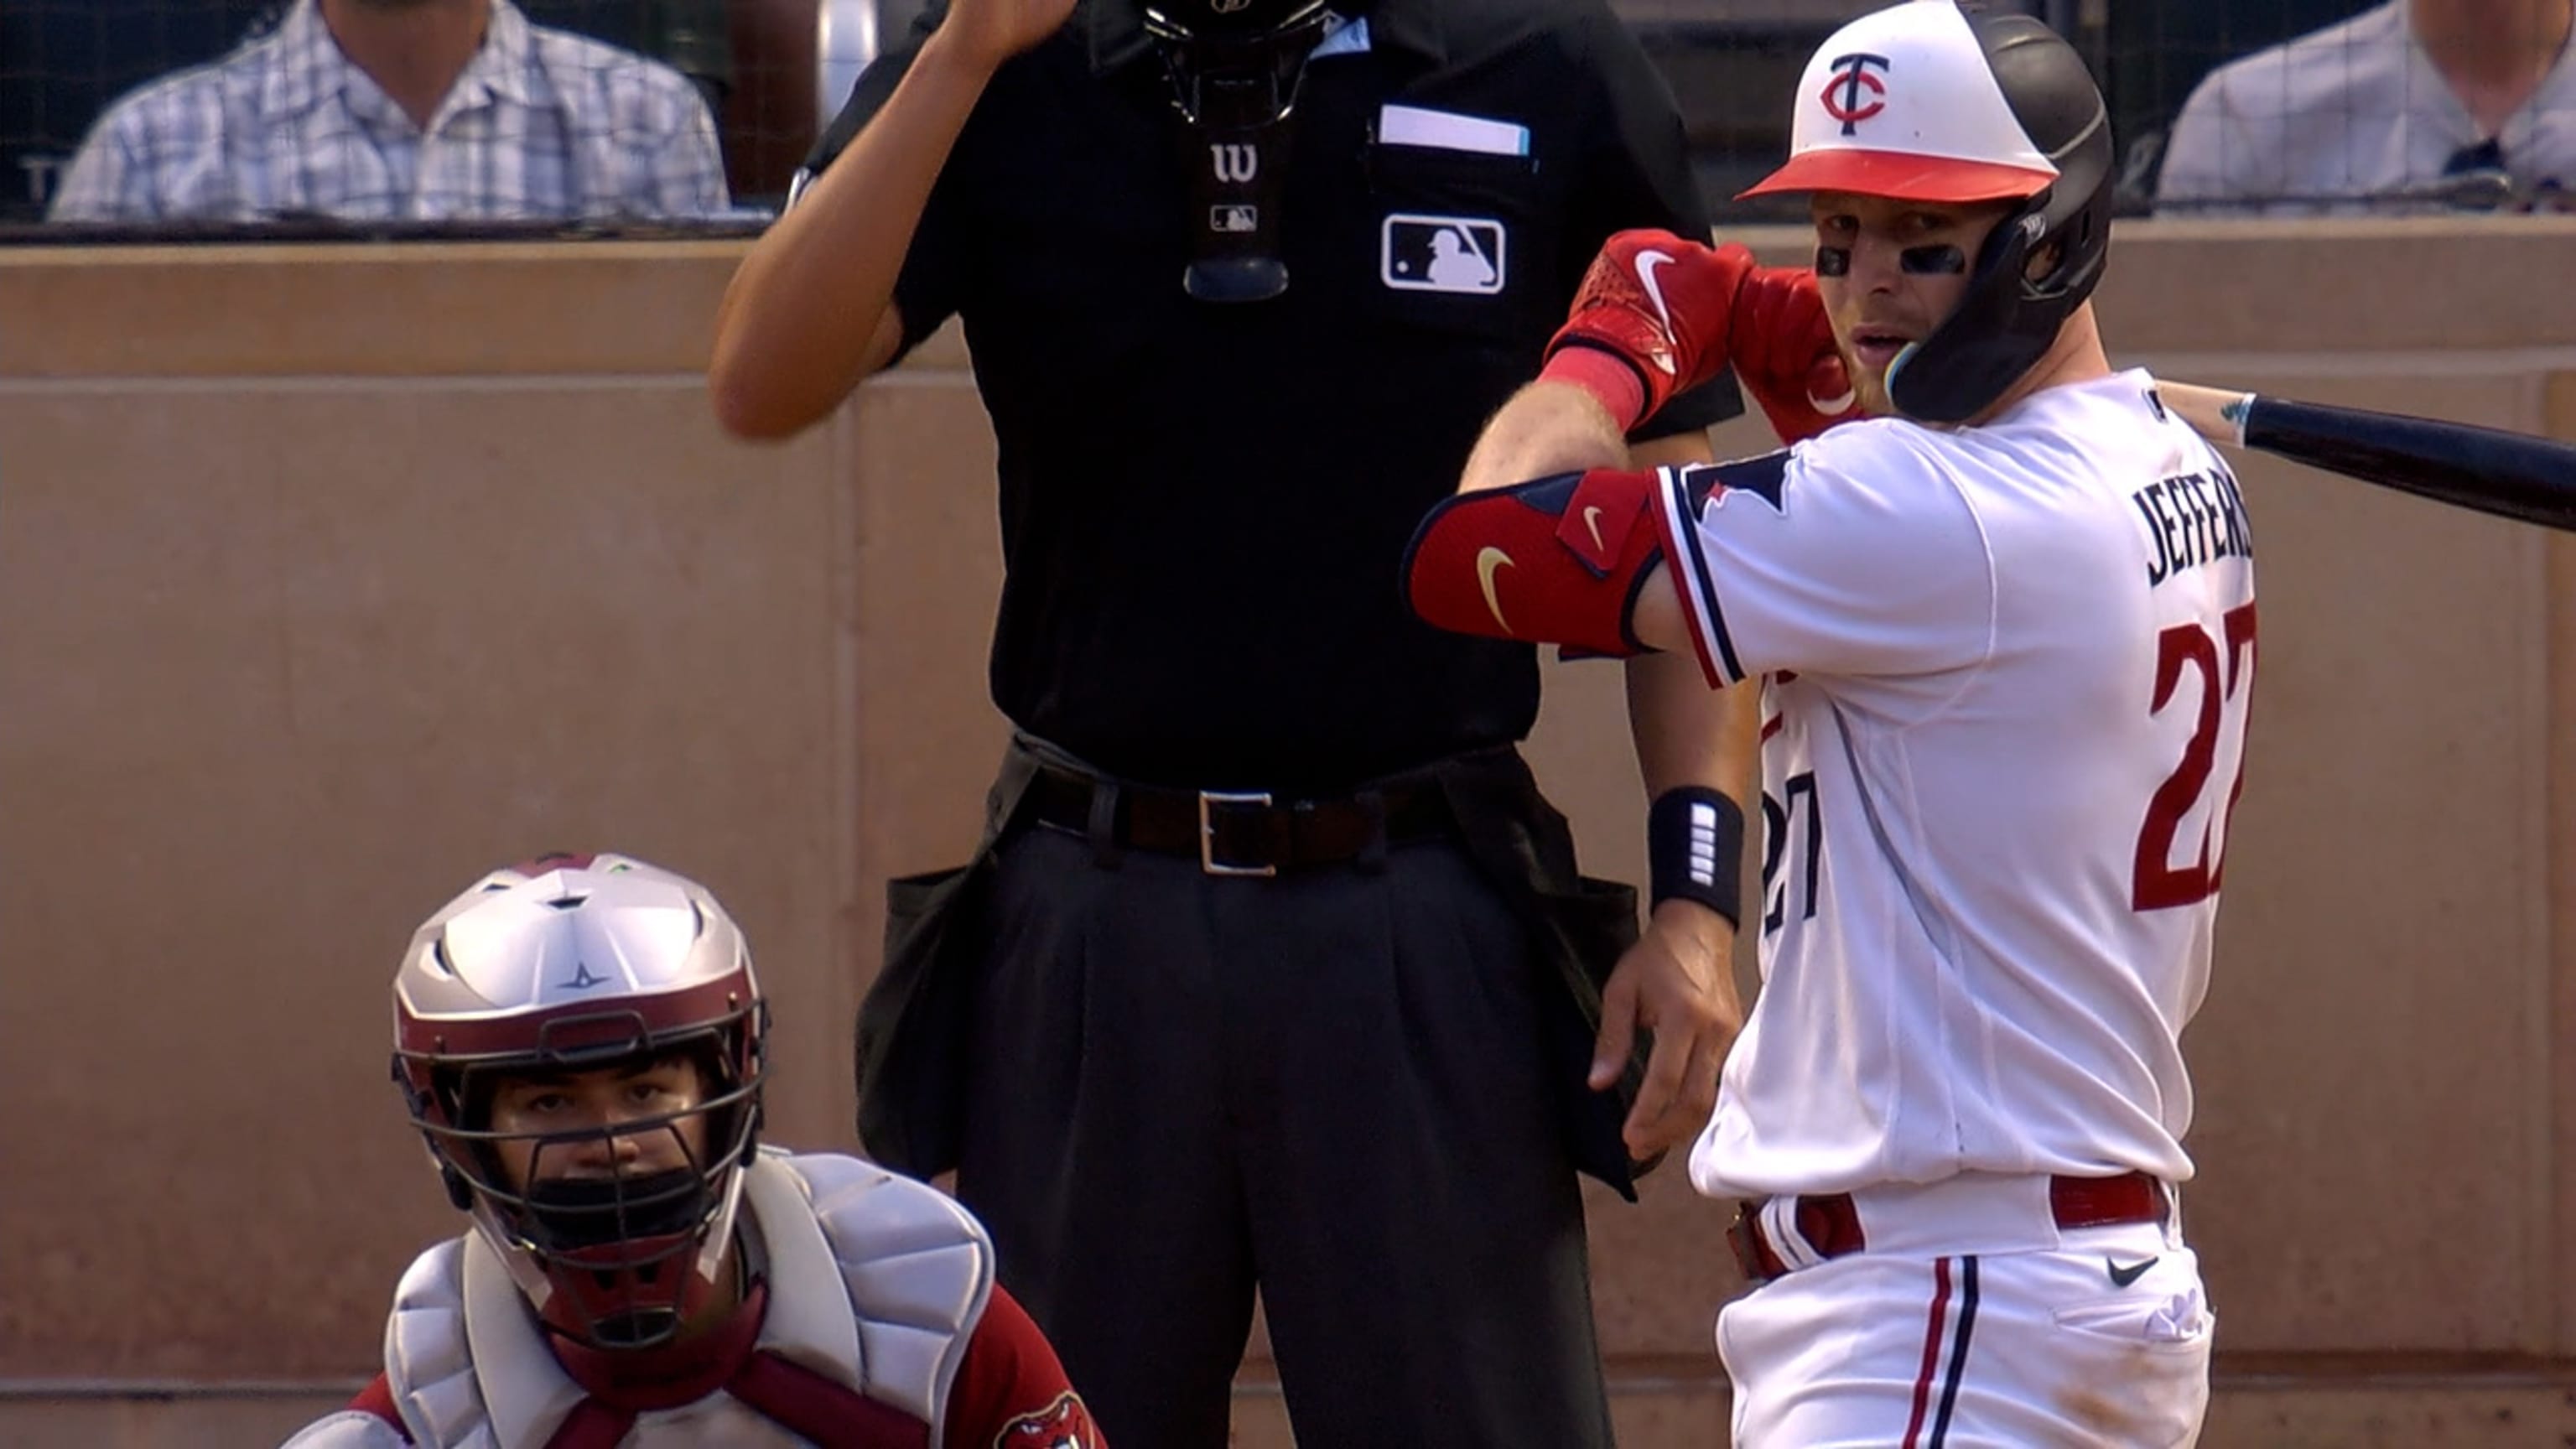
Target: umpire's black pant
x,y
1331,1084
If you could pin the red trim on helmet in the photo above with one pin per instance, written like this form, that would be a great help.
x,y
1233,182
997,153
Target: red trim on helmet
x,y
554,860
1902,175
575,1026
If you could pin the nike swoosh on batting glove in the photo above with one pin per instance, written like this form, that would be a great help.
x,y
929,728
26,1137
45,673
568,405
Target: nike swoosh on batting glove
x,y
1660,304
1782,345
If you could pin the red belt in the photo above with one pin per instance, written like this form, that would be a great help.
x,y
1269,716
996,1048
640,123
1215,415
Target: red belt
x,y
1831,1223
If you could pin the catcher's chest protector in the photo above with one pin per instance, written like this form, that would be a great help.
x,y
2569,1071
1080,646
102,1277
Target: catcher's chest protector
x,y
875,1282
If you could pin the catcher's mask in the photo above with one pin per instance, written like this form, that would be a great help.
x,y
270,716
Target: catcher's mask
x,y
582,974
1235,67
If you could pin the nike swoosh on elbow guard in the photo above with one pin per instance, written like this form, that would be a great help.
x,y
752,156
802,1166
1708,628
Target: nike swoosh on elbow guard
x,y
1490,559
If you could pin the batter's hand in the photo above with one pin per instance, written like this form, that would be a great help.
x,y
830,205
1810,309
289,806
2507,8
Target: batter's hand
x,y
992,31
1782,345
1659,304
1676,982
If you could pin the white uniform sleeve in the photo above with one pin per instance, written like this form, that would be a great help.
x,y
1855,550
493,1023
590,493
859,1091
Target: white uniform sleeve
x,y
1853,554
348,1429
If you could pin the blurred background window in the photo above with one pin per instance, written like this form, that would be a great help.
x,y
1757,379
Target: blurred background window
x,y
770,72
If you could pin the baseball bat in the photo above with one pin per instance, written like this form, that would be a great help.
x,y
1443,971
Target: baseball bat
x,y
2511,475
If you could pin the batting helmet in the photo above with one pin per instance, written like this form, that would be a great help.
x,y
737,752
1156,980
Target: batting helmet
x,y
571,964
1926,101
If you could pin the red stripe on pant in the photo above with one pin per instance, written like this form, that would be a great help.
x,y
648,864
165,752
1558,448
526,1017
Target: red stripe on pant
x,y
1931,1352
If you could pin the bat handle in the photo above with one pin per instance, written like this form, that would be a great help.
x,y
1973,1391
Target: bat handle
x,y
2217,414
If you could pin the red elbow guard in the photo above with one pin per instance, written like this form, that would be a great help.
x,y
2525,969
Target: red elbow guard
x,y
1558,561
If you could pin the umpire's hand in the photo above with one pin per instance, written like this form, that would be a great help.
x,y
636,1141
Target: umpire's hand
x,y
1678,983
992,31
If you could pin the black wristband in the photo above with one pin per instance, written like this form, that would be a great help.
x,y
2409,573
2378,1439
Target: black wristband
x,y
1695,850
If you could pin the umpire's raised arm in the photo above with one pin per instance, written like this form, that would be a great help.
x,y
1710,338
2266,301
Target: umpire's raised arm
x,y
813,309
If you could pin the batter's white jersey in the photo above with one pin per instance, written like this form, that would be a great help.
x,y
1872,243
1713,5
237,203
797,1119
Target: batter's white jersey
x,y
2005,679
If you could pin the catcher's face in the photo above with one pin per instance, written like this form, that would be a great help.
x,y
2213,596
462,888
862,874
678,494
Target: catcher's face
x,y
623,1121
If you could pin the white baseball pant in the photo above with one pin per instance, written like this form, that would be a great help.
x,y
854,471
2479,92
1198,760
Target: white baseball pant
x,y
2043,1337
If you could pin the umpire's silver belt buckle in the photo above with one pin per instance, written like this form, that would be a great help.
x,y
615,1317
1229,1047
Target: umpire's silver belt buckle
x,y
1209,802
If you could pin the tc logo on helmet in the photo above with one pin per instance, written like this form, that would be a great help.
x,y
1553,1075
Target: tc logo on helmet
x,y
1844,96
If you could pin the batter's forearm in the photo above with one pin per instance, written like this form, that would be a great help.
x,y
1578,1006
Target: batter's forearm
x,y
1688,736
1686,733
1546,428
1659,622
807,315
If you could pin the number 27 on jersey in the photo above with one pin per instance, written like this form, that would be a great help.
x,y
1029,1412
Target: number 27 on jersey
x,y
2223,670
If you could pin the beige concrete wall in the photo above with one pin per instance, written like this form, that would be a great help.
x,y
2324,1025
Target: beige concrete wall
x,y
330,576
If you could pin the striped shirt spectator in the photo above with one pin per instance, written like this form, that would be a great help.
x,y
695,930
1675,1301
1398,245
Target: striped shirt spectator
x,y
539,124
2415,104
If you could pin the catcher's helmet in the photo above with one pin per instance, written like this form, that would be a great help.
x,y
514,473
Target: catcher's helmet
x,y
1925,101
569,964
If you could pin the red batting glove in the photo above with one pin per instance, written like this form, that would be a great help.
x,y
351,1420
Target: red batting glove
x,y
1782,345
1658,303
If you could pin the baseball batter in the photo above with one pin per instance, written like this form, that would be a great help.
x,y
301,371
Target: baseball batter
x,y
580,1039
2001,612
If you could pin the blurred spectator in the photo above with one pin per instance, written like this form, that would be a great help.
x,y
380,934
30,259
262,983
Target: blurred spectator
x,y
2464,102
690,36
420,110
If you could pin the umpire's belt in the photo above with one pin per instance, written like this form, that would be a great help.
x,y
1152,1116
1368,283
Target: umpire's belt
x,y
1829,1226
1241,832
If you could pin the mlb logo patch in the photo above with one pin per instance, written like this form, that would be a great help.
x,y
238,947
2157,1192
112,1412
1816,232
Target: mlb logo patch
x,y
1461,254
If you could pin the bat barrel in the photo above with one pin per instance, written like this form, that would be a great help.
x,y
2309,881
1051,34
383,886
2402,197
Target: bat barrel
x,y
2511,475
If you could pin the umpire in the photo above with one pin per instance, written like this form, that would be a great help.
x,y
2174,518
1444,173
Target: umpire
x,y
1274,968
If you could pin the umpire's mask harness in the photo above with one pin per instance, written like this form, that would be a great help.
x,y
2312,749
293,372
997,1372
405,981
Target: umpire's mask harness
x,y
1237,97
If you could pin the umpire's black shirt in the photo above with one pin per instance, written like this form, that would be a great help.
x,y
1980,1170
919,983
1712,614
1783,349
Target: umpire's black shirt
x,y
1204,505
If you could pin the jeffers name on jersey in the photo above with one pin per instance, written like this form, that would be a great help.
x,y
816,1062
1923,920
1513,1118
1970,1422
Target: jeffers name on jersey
x,y
2192,519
